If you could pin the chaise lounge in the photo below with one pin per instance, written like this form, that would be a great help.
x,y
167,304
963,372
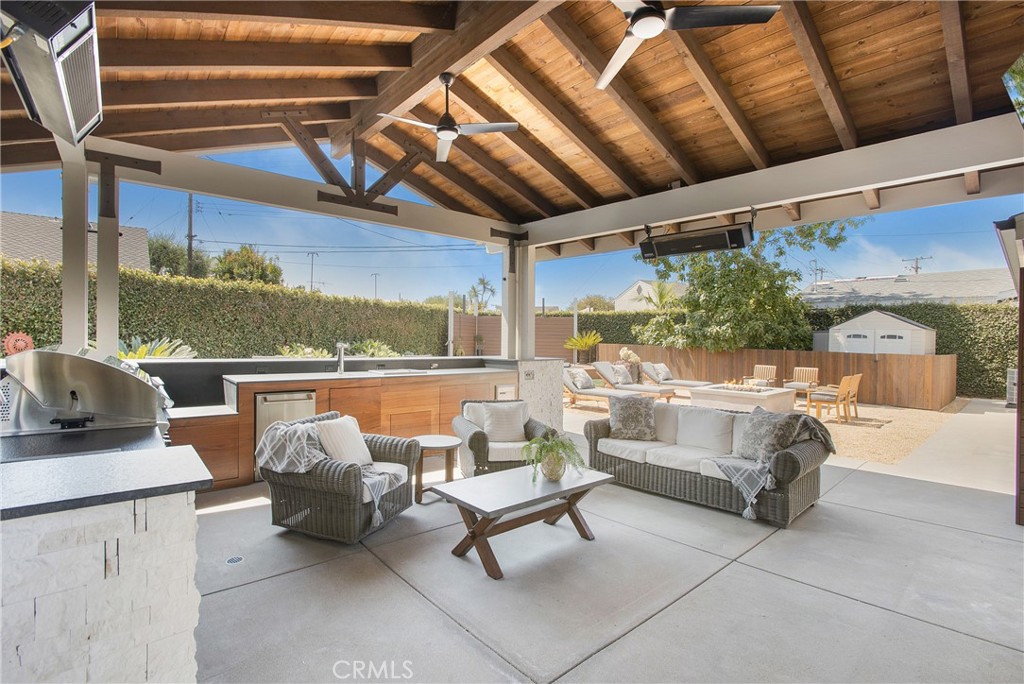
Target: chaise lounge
x,y
618,377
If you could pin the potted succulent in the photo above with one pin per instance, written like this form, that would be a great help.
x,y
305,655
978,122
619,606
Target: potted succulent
x,y
552,452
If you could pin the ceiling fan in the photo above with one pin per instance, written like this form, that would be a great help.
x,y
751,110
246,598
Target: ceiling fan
x,y
447,130
649,19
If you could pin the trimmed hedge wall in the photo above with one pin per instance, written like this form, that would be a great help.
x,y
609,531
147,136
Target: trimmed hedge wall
x,y
236,319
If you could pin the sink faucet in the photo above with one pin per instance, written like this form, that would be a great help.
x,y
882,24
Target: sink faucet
x,y
341,357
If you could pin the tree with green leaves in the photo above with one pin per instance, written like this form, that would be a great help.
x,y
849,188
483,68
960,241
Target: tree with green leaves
x,y
743,298
662,298
169,256
482,292
595,302
441,300
247,263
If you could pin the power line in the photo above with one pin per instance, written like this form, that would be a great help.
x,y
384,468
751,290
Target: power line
x,y
916,268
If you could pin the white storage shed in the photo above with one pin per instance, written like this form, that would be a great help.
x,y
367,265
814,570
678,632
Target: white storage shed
x,y
879,332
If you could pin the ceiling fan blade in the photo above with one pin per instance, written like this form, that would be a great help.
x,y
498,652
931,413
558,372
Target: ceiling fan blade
x,y
629,6
473,129
625,50
704,16
414,122
443,148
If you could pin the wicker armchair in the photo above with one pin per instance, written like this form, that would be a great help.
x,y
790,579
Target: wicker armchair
x,y
327,500
474,454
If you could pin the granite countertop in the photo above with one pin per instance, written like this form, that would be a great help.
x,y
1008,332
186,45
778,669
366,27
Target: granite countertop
x,y
48,485
357,375
200,411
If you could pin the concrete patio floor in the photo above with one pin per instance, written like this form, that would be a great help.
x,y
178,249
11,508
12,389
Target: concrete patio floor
x,y
890,577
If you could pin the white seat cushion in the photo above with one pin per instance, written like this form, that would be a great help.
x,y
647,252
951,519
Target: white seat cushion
x,y
505,451
630,449
680,457
387,467
709,468
342,440
705,428
798,385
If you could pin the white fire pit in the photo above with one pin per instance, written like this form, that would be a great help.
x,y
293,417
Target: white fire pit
x,y
743,397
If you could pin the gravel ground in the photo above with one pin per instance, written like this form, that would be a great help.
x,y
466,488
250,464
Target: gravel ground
x,y
883,434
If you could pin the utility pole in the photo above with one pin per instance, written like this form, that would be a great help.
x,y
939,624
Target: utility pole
x,y
917,263
311,255
817,273
375,276
191,236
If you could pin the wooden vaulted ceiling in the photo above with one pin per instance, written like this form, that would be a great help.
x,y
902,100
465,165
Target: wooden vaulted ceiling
x,y
688,106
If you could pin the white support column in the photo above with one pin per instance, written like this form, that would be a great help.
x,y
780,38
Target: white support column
x,y
107,296
75,236
509,306
526,271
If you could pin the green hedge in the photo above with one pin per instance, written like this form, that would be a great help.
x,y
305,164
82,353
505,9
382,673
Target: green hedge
x,y
616,327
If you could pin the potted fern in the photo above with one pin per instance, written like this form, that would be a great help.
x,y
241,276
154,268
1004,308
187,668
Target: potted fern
x,y
552,452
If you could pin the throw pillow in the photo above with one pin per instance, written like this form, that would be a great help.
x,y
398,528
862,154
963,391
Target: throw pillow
x,y
632,418
503,422
661,372
766,433
622,376
581,378
343,441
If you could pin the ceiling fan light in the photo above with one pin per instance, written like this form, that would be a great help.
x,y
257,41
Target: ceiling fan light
x,y
647,25
447,133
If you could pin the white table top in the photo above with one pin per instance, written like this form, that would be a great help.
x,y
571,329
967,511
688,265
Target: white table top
x,y
505,491
438,441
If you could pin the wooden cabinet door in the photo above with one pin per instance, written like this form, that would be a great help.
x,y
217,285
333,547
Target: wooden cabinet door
x,y
410,409
361,402
216,442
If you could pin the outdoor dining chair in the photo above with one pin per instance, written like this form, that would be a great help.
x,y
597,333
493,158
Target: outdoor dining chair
x,y
804,380
764,376
837,396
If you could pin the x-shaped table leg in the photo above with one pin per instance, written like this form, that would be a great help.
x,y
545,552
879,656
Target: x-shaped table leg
x,y
574,515
476,536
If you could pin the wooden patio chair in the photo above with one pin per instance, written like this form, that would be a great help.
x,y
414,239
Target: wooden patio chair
x,y
764,376
852,399
804,381
834,395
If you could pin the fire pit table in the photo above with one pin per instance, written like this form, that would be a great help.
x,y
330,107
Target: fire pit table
x,y
743,397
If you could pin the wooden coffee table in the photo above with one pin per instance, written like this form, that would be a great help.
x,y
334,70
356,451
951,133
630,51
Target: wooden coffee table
x,y
446,443
484,500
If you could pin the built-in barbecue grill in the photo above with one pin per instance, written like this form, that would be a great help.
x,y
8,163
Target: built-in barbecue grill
x,y
55,404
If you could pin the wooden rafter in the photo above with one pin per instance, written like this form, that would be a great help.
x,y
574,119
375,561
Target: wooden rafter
x,y
453,175
416,183
404,16
793,210
485,110
726,219
201,55
955,40
588,244
629,237
482,27
307,144
672,228
561,118
492,167
972,182
872,197
808,42
555,249
572,37
394,175
718,93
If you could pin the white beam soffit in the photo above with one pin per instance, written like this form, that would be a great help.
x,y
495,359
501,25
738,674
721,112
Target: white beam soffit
x,y
187,173
991,143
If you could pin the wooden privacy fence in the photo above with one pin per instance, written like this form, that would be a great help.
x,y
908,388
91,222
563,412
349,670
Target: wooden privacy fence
x,y
926,381
552,332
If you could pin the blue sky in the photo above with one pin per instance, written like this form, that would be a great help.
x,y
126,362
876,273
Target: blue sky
x,y
415,265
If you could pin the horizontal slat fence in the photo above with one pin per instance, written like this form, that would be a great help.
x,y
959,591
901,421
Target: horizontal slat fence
x,y
926,381
551,334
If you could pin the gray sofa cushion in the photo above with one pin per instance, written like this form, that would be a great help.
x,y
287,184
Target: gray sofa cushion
x,y
632,418
766,433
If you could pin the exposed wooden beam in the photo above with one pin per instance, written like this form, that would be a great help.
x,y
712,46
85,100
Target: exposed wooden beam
x,y
29,156
485,110
185,55
590,58
405,16
726,219
792,210
226,92
955,40
208,141
482,27
808,42
418,184
307,144
872,197
125,124
493,168
672,228
629,237
453,175
588,244
555,249
559,115
718,93
972,182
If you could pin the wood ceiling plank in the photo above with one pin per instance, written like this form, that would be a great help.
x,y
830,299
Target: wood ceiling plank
x,y
394,15
481,108
493,168
956,58
125,124
801,24
196,55
574,39
454,176
416,183
557,114
482,27
700,66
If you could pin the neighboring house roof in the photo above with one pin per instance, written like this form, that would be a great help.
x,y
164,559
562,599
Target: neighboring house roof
x,y
28,236
980,286
630,291
902,319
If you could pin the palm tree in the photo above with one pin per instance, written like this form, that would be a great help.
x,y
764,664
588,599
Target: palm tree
x,y
482,292
662,298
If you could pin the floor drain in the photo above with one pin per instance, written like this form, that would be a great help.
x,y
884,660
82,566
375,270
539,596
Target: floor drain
x,y
234,560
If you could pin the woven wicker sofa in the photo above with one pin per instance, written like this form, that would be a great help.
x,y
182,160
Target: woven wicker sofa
x,y
686,473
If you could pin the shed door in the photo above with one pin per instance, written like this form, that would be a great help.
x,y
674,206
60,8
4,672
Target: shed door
x,y
858,341
893,342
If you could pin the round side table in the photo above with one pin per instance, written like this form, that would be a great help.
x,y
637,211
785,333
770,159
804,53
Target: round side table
x,y
444,443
